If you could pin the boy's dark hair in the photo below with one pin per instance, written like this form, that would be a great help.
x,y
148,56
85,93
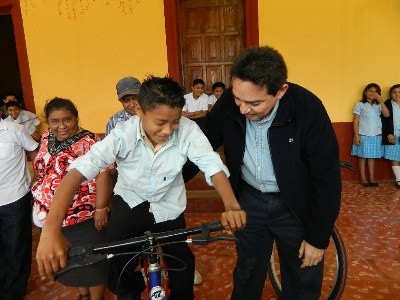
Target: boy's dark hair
x,y
60,103
392,88
263,66
198,81
218,84
13,104
156,91
367,87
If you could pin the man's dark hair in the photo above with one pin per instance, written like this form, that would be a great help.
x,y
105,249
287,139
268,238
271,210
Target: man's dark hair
x,y
263,66
156,91
198,81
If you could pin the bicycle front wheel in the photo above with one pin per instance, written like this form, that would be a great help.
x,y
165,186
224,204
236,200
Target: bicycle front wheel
x,y
335,269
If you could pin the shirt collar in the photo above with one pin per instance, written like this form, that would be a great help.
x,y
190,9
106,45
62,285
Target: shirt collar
x,y
270,117
147,141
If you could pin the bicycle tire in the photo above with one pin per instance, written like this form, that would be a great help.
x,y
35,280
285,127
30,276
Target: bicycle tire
x,y
335,289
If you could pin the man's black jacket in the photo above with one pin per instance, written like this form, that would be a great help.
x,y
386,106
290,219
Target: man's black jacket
x,y
304,153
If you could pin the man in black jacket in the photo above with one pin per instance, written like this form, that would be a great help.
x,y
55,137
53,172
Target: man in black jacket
x,y
282,153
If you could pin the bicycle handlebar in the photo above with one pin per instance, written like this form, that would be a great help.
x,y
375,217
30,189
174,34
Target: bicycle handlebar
x,y
206,227
108,248
88,255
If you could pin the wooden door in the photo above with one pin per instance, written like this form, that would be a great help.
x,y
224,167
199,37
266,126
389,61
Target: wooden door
x,y
211,35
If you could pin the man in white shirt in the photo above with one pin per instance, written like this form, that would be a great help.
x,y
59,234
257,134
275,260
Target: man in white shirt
x,y
15,210
26,118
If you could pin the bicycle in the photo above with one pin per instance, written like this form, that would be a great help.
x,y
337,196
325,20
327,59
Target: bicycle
x,y
91,254
335,264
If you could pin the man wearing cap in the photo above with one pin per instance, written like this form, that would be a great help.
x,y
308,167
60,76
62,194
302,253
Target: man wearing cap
x,y
127,91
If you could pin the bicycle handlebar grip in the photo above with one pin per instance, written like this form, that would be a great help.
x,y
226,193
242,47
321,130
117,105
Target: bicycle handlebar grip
x,y
215,226
76,251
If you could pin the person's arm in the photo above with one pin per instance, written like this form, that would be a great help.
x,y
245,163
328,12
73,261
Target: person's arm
x,y
200,114
356,120
36,135
384,110
233,218
51,254
104,188
32,155
189,115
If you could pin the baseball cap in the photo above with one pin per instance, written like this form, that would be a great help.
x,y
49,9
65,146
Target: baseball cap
x,y
128,86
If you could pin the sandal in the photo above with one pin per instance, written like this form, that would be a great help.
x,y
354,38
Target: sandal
x,y
83,297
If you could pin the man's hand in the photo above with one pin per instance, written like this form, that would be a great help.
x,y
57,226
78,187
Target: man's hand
x,y
310,255
233,219
51,254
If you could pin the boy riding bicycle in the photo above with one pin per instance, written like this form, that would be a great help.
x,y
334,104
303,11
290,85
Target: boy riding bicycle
x,y
150,150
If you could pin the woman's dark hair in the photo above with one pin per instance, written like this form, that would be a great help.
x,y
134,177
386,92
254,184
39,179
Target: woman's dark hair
x,y
60,103
392,88
160,90
263,66
368,86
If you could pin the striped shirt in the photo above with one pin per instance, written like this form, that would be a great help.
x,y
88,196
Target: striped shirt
x,y
120,116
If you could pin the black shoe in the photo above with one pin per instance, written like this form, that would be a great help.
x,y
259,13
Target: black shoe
x,y
373,184
367,184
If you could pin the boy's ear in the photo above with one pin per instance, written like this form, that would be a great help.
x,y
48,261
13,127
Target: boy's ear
x,y
139,110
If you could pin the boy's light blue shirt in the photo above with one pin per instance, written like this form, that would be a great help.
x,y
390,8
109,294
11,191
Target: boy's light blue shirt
x,y
145,176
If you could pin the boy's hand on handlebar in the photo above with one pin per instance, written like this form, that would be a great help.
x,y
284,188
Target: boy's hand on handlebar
x,y
51,254
233,219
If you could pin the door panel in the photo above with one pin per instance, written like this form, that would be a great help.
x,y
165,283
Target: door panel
x,y
194,51
214,50
211,35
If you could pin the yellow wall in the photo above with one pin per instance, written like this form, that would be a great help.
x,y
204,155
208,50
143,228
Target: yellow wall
x,y
81,51
335,47
332,47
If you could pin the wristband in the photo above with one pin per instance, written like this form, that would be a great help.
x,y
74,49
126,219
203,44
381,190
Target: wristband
x,y
103,209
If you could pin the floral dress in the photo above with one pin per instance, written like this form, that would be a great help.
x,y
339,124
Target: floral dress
x,y
51,165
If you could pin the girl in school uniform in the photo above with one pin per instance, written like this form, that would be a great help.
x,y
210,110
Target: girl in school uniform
x,y
391,131
367,126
